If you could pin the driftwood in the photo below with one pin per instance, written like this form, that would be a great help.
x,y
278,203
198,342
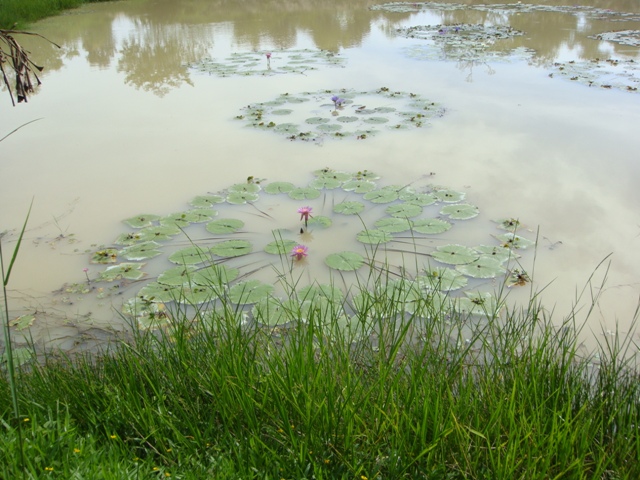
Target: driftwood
x,y
13,58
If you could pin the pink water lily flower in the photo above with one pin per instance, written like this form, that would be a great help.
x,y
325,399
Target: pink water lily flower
x,y
268,54
299,252
305,213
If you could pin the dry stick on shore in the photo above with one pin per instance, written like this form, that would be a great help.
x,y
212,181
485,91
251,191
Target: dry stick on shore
x,y
13,55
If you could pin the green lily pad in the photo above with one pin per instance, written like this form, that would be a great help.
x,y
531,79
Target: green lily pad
x,y
383,195
279,187
23,321
455,254
316,120
376,120
320,221
374,236
311,292
197,295
431,226
199,215
509,224
394,225
245,188
512,240
206,201
271,312
131,238
180,275
501,254
224,225
240,198
308,193
349,208
20,355
330,128
483,267
404,210
359,186
158,293
346,261
422,199
251,291
281,111
183,219
449,196
141,251
158,232
232,248
128,271
280,247
190,256
324,182
140,221
461,211
215,275
478,303
442,279
348,119
335,174
286,128
107,255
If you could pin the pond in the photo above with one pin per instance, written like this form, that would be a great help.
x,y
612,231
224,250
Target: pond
x,y
526,112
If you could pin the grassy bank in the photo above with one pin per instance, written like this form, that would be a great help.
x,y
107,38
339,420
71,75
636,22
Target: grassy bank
x,y
218,398
23,12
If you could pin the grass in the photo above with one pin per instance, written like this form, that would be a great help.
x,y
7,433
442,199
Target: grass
x,y
20,13
219,398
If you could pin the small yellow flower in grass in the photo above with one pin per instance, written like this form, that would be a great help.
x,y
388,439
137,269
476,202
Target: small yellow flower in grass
x,y
167,474
280,430
168,449
48,469
113,437
155,469
26,420
362,477
327,461
135,459
76,450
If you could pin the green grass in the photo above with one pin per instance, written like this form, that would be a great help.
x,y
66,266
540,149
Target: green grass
x,y
23,12
510,399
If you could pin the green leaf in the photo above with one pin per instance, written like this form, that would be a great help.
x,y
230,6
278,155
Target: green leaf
x,y
374,236
197,294
128,271
349,208
206,201
311,292
279,187
323,182
23,321
483,267
215,275
245,188
180,275
251,291
394,225
108,255
404,210
454,254
461,211
307,193
359,186
449,196
158,293
280,247
431,226
383,195
141,251
422,199
232,248
239,198
502,254
270,311
511,240
224,225
346,261
320,221
190,256
442,279
158,232
140,221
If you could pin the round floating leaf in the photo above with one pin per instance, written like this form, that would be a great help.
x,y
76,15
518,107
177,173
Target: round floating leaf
x,y
279,187
359,186
330,128
366,175
215,275
232,248
245,187
461,211
280,247
128,271
158,232
197,295
512,240
308,193
180,220
140,221
483,267
442,279
376,120
141,251
383,195
199,215
324,182
335,174
422,199
384,109
349,208
394,225
251,291
316,120
404,210
281,111
449,196
23,321
346,261
180,275
502,254
271,312
158,293
320,221
348,119
239,198
190,256
131,238
108,255
311,292
374,236
509,224
431,226
454,254
224,225
478,303
205,201
287,128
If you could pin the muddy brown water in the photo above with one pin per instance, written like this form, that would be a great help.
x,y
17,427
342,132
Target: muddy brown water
x,y
124,127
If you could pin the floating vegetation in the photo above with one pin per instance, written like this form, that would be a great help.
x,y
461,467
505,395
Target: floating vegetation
x,y
510,8
269,63
608,74
623,37
210,263
324,114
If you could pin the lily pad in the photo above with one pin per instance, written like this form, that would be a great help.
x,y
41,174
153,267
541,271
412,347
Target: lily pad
x,y
239,198
279,187
346,261
180,275
431,226
376,120
190,256
280,247
348,119
404,210
158,232
374,236
224,226
422,199
158,292
197,295
478,303
205,201
215,275
359,186
107,255
500,254
442,279
310,292
308,193
320,221
271,312
512,240
394,225
316,120
461,211
449,196
245,187
23,321
483,267
334,174
349,208
232,248
326,183
140,221
383,195
128,271
251,291
141,251
455,254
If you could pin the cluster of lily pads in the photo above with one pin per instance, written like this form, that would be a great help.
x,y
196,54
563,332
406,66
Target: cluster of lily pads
x,y
609,73
623,37
209,258
513,8
268,63
314,116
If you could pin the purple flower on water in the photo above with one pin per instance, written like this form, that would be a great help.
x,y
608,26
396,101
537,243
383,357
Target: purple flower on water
x,y
268,54
299,252
335,98
305,213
